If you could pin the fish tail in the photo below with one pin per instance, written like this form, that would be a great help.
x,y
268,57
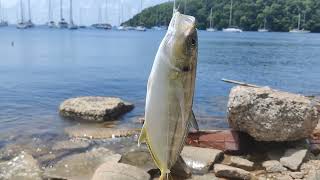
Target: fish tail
x,y
165,175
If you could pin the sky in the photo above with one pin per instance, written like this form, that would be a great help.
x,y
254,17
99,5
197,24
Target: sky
x,y
85,12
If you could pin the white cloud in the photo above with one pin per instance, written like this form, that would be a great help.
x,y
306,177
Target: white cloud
x,y
90,9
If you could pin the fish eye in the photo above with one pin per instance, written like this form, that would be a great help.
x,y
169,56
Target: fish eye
x,y
193,42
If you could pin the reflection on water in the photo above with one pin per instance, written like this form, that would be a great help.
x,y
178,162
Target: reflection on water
x,y
46,66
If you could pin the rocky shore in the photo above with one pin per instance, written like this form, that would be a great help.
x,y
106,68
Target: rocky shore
x,y
281,130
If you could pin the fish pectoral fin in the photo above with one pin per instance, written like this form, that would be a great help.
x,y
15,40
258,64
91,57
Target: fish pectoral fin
x,y
143,136
193,122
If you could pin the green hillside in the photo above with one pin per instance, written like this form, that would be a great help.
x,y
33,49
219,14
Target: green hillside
x,y
281,15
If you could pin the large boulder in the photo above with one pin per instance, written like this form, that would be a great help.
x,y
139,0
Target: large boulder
x,y
271,115
96,109
81,166
22,167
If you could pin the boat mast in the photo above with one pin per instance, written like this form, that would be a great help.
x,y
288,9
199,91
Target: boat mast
x,y
21,12
29,10
0,12
299,18
50,12
106,11
61,12
211,18
71,18
230,17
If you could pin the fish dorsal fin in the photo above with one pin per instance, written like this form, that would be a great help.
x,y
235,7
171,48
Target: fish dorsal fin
x,y
193,122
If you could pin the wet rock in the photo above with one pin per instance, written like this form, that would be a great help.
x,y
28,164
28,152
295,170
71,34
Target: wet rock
x,y
81,166
99,132
210,176
119,171
181,169
273,166
225,171
270,115
22,167
293,158
200,159
140,158
70,144
296,175
95,109
241,163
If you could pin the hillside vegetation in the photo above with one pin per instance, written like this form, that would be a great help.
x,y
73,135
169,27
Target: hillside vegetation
x,y
280,15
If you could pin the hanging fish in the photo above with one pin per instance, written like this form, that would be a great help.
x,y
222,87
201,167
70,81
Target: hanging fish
x,y
170,91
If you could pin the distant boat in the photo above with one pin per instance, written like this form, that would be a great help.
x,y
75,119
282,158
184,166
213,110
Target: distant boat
x,y
298,30
50,23
264,27
121,28
2,21
21,24
157,28
62,23
210,28
29,22
71,26
141,28
231,28
101,25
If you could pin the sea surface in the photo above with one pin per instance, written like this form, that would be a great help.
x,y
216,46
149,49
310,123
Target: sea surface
x,y
39,68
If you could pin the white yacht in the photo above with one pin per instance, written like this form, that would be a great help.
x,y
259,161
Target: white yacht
x,y
141,28
62,23
71,26
2,21
298,30
231,28
50,23
264,27
29,22
210,28
21,23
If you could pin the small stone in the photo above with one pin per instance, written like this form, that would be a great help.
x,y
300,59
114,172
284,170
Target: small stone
x,y
210,176
273,166
200,159
95,109
225,171
284,177
293,158
297,175
119,171
241,163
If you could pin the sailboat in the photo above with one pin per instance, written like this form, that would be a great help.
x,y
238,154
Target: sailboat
x,y
298,30
210,28
101,25
230,28
141,28
120,17
21,24
50,23
62,23
2,21
81,25
71,26
29,22
264,27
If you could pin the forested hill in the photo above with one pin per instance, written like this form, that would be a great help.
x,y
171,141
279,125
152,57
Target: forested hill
x,y
280,15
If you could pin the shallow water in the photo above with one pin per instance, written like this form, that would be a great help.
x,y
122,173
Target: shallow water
x,y
46,66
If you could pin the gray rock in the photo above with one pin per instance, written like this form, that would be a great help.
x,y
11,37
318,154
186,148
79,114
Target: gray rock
x,y
95,109
270,115
225,171
181,169
88,132
313,175
273,166
241,163
81,166
284,177
200,159
210,176
119,171
70,144
293,158
140,158
22,167
296,175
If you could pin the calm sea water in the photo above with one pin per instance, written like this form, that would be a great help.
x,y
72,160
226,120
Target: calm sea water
x,y
46,66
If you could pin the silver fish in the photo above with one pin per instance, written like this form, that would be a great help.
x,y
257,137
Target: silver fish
x,y
170,91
